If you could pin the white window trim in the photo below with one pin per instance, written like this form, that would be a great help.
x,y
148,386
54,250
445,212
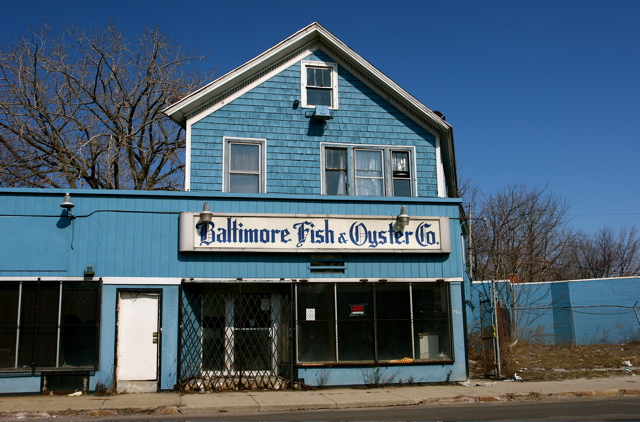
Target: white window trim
x,y
303,82
442,185
187,159
384,154
262,160
388,173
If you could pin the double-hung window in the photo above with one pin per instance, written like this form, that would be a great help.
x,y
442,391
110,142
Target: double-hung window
x,y
401,173
319,84
244,165
336,171
368,171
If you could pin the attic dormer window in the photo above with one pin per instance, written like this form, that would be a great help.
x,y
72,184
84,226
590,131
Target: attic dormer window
x,y
319,84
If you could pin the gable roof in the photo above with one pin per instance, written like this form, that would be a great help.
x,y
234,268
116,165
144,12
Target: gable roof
x,y
309,38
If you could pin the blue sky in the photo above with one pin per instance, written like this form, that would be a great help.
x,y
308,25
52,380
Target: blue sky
x,y
544,93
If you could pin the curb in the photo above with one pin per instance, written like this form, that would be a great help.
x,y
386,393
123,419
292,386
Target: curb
x,y
536,396
186,410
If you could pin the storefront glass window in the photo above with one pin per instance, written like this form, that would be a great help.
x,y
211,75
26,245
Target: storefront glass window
x,y
316,323
373,323
431,321
393,306
355,322
50,326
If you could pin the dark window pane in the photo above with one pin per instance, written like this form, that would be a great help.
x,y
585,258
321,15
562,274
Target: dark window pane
x,y
401,187
355,340
336,171
431,321
401,173
252,310
39,324
336,183
394,339
315,302
319,96
393,301
355,323
79,330
8,323
316,341
316,323
311,76
244,183
318,77
336,158
252,350
393,306
214,316
253,337
430,300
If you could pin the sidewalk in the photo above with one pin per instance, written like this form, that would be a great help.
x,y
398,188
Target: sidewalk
x,y
31,407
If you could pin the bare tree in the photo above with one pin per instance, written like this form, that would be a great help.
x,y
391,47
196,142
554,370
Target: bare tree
x,y
84,110
604,254
525,233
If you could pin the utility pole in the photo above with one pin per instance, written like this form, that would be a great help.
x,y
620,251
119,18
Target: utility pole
x,y
470,245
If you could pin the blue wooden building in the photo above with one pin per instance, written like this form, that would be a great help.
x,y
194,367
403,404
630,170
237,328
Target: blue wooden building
x,y
317,241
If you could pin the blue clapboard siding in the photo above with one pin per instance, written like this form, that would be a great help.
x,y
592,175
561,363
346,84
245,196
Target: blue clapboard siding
x,y
135,234
293,140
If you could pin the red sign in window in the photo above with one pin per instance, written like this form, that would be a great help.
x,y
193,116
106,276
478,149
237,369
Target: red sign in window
x,y
357,309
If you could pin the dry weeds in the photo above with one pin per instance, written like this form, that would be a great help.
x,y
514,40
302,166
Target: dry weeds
x,y
536,362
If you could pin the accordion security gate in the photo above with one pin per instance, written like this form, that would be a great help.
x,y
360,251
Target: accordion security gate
x,y
235,336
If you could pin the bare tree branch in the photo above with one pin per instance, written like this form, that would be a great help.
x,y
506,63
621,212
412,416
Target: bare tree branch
x,y
525,234
84,110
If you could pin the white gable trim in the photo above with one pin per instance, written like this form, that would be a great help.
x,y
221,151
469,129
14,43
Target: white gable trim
x,y
311,35
187,160
442,183
236,92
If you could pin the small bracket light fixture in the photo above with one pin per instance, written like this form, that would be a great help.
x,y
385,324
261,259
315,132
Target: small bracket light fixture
x,y
402,220
66,203
206,215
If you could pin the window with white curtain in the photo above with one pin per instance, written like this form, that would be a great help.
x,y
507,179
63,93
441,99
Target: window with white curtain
x,y
367,171
244,165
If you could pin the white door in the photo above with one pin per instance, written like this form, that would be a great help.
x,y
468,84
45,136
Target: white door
x,y
137,349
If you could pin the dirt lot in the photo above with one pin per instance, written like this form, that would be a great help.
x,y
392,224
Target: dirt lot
x,y
534,362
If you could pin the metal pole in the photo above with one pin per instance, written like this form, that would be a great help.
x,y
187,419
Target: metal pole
x,y
470,246
496,340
